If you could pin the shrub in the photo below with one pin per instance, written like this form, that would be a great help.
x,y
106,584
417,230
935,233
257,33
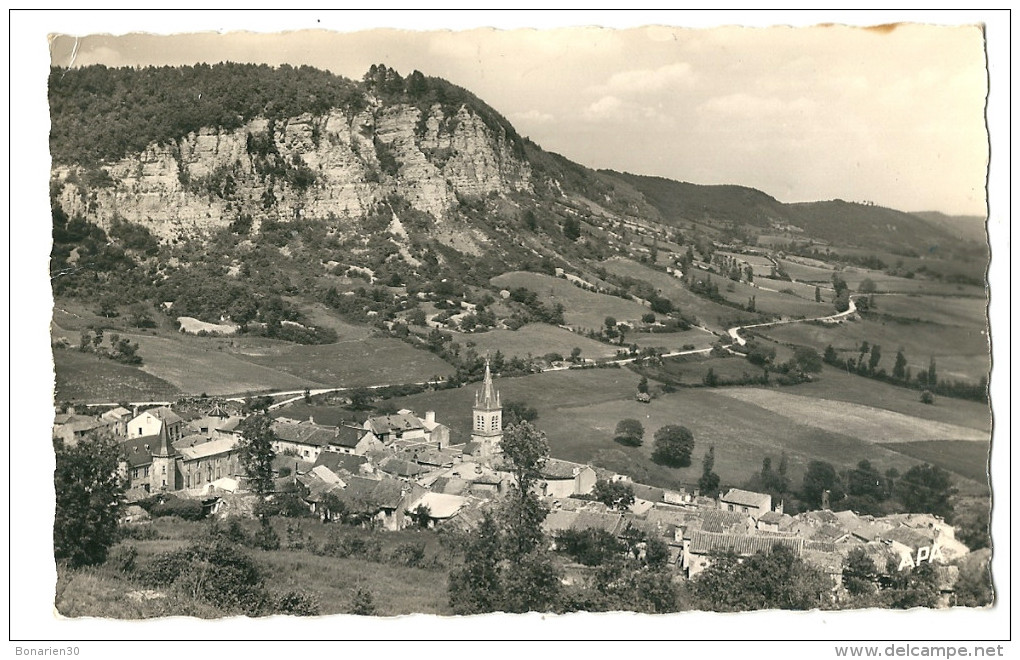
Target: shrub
x,y
297,603
170,505
408,554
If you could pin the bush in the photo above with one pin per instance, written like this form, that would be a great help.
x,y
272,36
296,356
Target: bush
x,y
297,603
170,505
927,397
673,446
217,573
408,554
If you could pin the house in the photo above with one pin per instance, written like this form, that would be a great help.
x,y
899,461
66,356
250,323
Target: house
x,y
216,426
353,440
150,422
440,506
563,479
72,428
150,462
745,501
770,521
118,419
400,426
207,462
303,439
435,433
698,551
340,462
380,501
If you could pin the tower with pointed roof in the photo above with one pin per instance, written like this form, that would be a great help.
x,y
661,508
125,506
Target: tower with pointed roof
x,y
487,414
163,473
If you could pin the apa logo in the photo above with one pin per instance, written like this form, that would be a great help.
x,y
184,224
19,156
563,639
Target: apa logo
x,y
924,553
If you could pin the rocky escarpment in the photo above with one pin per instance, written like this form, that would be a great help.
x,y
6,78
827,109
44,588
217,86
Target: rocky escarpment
x,y
333,165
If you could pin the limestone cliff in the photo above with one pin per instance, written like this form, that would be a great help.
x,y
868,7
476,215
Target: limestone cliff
x,y
332,165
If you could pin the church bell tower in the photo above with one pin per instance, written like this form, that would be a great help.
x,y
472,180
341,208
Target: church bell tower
x,y
487,424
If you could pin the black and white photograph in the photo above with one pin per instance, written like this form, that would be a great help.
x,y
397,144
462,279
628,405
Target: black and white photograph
x,y
375,322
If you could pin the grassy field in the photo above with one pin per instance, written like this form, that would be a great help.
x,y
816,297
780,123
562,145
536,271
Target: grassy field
x,y
88,377
672,341
320,315
866,422
712,315
960,353
578,410
584,309
200,364
396,589
760,265
374,361
535,339
968,459
772,302
968,312
836,385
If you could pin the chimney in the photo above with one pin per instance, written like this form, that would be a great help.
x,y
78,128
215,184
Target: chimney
x,y
430,416
779,509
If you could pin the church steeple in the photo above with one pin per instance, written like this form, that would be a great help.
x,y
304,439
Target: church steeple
x,y
163,473
487,398
487,425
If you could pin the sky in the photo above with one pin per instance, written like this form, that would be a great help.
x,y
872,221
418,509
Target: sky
x,y
894,116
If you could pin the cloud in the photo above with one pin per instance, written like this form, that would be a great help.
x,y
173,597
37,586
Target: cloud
x,y
645,81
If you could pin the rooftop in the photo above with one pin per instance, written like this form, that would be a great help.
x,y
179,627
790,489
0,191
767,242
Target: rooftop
x,y
747,498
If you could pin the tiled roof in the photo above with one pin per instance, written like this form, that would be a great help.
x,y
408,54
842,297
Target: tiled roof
x,y
650,493
386,424
304,433
703,543
747,498
165,414
327,475
211,448
348,436
190,441
440,505
771,517
371,495
910,537
610,522
336,461
400,467
557,469
715,520
138,451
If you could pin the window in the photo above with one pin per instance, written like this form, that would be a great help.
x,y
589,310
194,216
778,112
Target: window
x,y
139,431
480,423
495,423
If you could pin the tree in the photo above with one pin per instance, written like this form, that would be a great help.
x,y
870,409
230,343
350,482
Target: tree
x,y
591,547
614,494
818,478
673,446
610,323
818,294
867,285
515,412
927,489
572,229
710,379
88,493
927,397
575,354
256,452
842,301
859,573
630,432
363,604
807,359
648,318
830,356
899,371
421,516
709,481
642,385
776,580
932,376
526,448
875,358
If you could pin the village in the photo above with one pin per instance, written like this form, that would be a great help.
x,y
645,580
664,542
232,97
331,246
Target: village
x,y
400,470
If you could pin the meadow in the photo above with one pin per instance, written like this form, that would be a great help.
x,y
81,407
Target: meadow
x,y
534,339
333,581
961,353
711,314
583,309
579,410
770,302
90,378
